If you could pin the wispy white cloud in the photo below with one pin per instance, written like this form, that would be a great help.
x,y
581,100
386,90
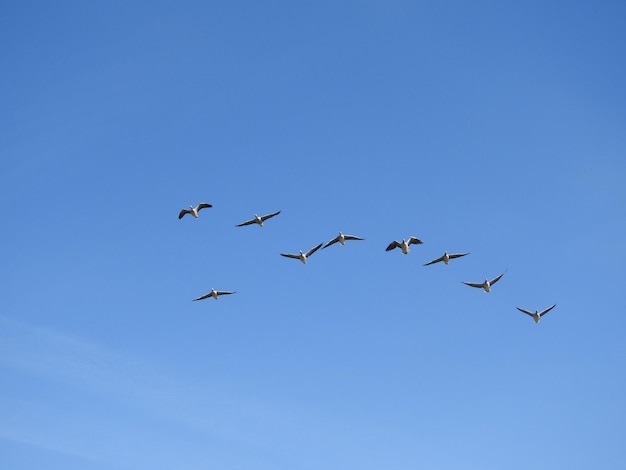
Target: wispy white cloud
x,y
126,407
48,429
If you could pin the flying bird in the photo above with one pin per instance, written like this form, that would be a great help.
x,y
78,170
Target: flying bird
x,y
258,220
404,244
486,286
536,315
302,256
341,238
446,258
193,210
215,294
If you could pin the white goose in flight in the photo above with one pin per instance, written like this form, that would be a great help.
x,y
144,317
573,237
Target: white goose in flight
x,y
341,238
215,294
258,220
486,286
536,315
404,244
446,258
302,256
193,210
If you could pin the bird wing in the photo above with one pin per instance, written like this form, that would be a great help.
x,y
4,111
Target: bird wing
x,y
269,216
183,212
541,314
434,261
392,245
414,241
525,311
289,255
472,284
202,205
352,237
331,242
314,249
496,279
224,292
457,255
247,222
203,296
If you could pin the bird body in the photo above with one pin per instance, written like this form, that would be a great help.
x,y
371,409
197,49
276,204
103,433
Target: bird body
x,y
193,210
404,244
214,293
302,256
341,238
258,219
536,315
486,286
446,258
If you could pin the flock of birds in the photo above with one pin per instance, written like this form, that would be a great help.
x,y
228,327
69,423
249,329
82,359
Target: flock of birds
x,y
341,238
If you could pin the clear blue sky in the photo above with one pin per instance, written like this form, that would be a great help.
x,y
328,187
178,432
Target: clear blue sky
x,y
496,128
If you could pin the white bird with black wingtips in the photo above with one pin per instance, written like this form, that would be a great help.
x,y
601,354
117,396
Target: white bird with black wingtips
x,y
404,244
341,238
536,315
446,258
486,286
258,219
215,294
302,256
193,210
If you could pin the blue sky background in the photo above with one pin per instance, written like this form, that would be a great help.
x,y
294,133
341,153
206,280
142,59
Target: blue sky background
x,y
491,127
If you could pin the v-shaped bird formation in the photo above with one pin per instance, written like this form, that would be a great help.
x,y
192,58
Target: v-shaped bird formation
x,y
341,238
